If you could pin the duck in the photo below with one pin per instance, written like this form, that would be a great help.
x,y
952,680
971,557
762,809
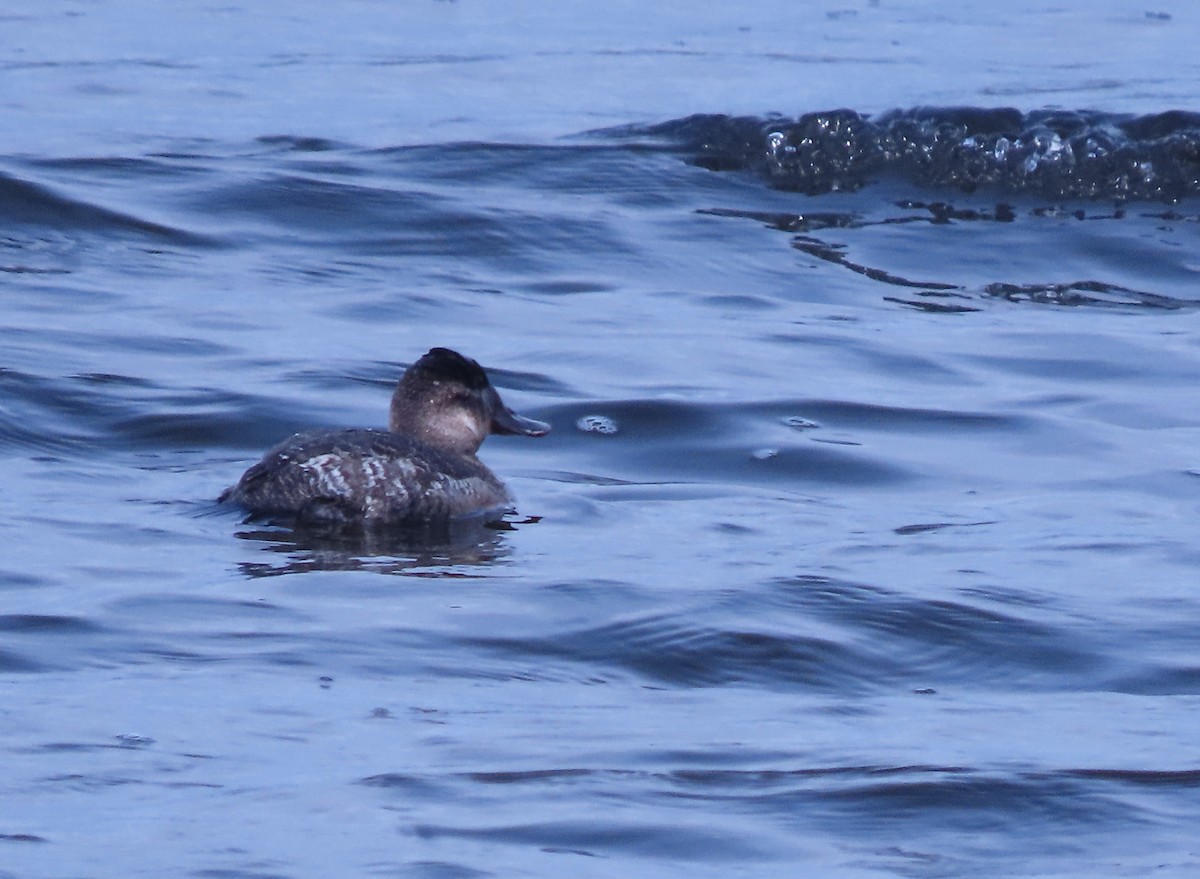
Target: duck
x,y
422,470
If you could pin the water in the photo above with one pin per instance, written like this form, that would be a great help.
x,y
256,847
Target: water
x,y
864,543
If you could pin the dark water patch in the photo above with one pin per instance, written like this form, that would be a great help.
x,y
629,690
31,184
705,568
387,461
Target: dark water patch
x,y
32,270
568,286
535,776
1164,678
406,785
107,414
771,779
111,379
925,527
42,643
437,870
934,302
102,63
436,59
130,168
21,395
1187,779
21,837
599,837
15,663
979,802
10,579
1052,153
24,203
1087,293
45,624
124,742
299,143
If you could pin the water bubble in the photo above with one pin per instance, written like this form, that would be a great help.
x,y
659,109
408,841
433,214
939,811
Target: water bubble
x,y
1095,149
765,454
597,424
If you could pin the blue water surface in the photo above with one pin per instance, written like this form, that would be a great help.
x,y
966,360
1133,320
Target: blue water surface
x,y
865,540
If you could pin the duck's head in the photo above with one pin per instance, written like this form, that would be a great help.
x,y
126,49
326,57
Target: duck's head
x,y
446,401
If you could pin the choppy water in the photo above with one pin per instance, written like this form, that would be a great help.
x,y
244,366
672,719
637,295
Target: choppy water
x,y
864,544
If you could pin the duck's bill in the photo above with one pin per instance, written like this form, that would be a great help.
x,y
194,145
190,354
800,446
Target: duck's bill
x,y
509,422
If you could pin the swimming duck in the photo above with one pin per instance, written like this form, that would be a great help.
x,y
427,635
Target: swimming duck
x,y
422,469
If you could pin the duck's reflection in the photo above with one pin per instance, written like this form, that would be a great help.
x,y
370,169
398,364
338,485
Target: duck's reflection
x,y
427,551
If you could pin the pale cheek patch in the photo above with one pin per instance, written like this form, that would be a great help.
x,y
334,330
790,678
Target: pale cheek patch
x,y
458,428
467,422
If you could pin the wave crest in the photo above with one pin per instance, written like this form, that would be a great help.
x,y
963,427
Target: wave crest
x,y
1054,153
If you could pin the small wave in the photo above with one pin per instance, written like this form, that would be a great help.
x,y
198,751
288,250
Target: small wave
x,y
676,652
1051,153
824,636
117,414
817,634
837,237
43,637
23,202
967,800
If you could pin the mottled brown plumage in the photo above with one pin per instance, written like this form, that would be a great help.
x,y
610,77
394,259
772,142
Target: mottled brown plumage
x,y
422,469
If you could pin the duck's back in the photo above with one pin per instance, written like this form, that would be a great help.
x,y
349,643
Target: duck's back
x,y
367,477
